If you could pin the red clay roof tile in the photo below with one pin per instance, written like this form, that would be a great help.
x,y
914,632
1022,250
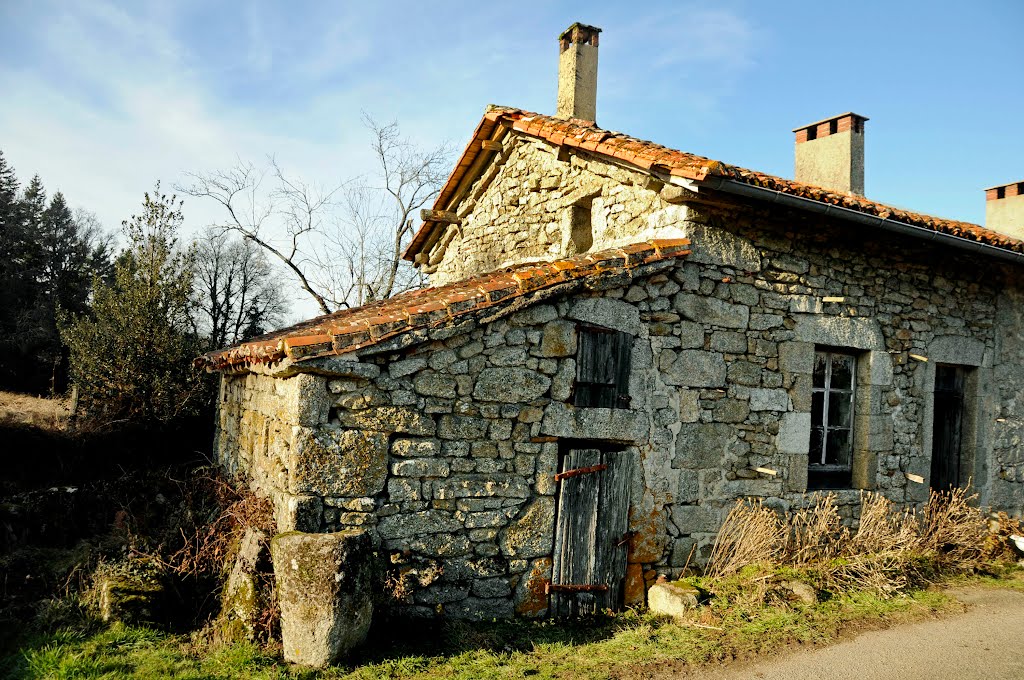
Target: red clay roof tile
x,y
351,329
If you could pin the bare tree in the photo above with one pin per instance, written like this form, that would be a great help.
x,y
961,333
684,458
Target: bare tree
x,y
236,296
343,244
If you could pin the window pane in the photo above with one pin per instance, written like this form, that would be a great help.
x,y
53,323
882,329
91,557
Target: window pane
x,y
816,442
817,408
839,409
842,371
838,452
820,359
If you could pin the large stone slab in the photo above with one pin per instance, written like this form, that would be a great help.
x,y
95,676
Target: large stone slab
x,y
705,445
333,462
510,385
709,310
694,368
324,587
615,424
608,313
532,534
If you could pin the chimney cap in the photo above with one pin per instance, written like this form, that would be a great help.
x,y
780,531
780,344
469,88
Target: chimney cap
x,y
851,114
579,32
1003,185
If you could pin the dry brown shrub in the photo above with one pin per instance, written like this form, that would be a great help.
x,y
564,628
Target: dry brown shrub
x,y
815,532
883,527
953,530
209,534
892,550
749,535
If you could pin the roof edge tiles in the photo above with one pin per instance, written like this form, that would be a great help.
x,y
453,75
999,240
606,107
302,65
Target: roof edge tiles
x,y
353,329
650,157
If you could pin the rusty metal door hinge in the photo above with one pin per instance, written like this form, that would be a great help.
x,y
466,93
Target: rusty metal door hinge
x,y
575,472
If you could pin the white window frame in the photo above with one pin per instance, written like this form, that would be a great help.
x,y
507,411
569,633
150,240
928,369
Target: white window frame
x,y
827,390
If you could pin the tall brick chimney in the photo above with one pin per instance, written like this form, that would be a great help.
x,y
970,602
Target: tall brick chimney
x,y
1004,209
577,72
830,153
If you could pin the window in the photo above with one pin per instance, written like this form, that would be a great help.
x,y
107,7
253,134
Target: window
x,y
581,231
602,368
832,401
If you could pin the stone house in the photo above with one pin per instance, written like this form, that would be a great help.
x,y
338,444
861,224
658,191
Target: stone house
x,y
622,339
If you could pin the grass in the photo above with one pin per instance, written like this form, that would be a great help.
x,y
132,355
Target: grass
x,y
621,646
23,410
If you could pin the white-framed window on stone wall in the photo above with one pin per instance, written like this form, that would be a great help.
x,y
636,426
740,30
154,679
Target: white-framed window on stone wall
x,y
603,358
833,401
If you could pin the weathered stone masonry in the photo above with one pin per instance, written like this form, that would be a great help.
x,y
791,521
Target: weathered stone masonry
x,y
447,450
443,442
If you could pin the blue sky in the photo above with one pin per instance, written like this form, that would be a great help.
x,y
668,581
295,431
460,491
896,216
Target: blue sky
x,y
102,98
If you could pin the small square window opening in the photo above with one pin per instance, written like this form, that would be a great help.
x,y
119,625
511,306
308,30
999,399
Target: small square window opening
x,y
603,360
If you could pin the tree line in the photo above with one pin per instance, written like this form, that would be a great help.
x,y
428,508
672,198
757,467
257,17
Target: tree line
x,y
121,323
124,324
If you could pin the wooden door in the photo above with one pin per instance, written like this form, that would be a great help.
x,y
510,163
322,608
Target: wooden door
x,y
589,566
946,432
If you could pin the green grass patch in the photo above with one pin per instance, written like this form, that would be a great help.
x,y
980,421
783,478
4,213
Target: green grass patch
x,y
604,647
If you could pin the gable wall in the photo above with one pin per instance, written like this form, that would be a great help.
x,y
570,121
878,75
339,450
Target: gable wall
x,y
518,210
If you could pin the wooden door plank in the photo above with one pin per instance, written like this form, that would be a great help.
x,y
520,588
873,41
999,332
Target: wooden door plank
x,y
576,532
614,523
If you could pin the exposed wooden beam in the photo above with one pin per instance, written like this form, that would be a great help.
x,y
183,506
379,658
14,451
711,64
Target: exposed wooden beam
x,y
490,145
439,216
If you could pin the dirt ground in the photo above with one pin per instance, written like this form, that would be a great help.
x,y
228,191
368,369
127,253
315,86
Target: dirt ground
x,y
986,642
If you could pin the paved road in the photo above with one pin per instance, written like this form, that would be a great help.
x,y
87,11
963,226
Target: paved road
x,y
985,643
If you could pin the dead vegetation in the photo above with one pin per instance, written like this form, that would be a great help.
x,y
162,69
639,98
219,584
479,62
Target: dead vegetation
x,y
24,410
892,550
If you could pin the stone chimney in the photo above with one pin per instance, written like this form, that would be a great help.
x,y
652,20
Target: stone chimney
x,y
830,153
1004,209
577,72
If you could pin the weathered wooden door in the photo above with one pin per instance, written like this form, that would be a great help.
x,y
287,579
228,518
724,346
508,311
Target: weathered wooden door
x,y
949,405
591,537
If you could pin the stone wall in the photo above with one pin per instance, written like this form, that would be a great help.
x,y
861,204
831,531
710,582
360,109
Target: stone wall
x,y
446,451
519,210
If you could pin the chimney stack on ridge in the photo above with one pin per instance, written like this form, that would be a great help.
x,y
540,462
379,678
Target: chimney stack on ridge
x,y
577,72
1004,209
830,153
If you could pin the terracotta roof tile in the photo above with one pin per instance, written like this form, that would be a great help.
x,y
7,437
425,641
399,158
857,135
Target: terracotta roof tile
x,y
351,329
645,155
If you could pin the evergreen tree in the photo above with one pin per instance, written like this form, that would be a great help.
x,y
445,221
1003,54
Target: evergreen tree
x,y
12,236
65,258
132,357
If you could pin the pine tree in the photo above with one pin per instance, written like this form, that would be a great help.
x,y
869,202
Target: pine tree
x,y
132,358
65,259
11,246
